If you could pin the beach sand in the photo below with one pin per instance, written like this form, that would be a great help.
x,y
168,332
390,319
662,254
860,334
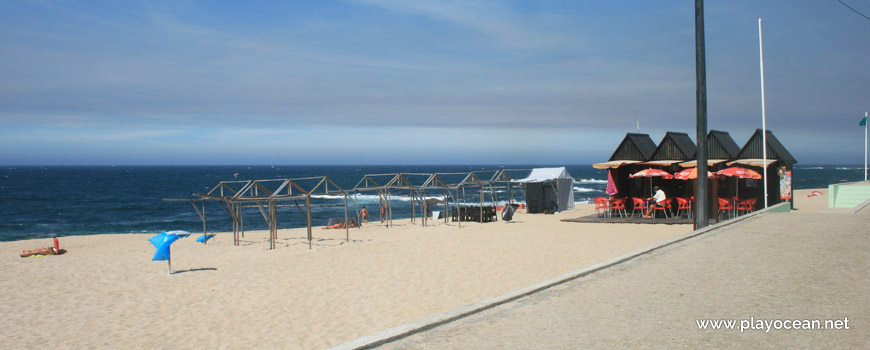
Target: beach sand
x,y
107,293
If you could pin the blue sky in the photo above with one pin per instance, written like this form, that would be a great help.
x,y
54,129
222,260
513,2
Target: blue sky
x,y
421,82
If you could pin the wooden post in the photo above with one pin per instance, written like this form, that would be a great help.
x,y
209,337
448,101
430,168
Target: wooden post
x,y
236,225
480,210
389,209
446,213
459,207
204,232
346,224
413,200
273,224
308,217
241,209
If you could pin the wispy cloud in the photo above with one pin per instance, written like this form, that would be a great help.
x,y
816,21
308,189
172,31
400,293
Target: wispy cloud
x,y
491,18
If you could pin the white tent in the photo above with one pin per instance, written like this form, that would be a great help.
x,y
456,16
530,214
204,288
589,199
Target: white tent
x,y
547,188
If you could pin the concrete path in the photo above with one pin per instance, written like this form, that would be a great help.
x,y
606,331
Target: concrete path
x,y
776,267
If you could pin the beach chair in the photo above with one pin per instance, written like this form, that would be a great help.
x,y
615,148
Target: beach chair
x,y
639,205
618,206
725,207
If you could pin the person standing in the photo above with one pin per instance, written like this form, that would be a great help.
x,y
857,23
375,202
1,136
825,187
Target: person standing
x,y
364,213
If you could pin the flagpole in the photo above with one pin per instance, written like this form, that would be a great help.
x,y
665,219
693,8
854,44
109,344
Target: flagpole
x,y
763,116
865,146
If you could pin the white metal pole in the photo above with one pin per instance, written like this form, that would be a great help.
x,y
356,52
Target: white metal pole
x,y
865,146
763,116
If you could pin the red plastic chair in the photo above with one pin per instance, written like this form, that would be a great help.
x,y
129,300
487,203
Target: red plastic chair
x,y
618,206
684,206
746,206
601,207
663,206
639,205
726,206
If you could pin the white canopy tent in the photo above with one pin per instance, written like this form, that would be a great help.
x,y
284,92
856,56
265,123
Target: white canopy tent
x,y
548,187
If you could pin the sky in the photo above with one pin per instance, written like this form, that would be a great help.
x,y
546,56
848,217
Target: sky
x,y
418,82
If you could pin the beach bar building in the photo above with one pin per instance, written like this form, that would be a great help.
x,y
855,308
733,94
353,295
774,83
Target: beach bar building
x,y
675,148
779,164
634,149
721,148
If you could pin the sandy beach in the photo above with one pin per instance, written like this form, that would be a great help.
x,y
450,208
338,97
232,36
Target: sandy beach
x,y
107,293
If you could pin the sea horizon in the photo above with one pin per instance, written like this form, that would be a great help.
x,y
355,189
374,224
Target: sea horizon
x,y
38,201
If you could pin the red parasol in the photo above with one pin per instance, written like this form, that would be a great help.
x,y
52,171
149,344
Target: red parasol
x,y
691,174
652,173
738,172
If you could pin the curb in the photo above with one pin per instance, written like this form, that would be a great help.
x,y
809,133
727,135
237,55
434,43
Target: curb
x,y
408,329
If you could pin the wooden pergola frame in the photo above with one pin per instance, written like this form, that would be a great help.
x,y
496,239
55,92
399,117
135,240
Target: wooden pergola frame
x,y
266,196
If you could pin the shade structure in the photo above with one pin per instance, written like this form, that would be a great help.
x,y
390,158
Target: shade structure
x,y
691,174
162,243
652,173
738,172
613,164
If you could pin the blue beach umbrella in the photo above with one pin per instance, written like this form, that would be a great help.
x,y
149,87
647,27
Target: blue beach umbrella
x,y
162,243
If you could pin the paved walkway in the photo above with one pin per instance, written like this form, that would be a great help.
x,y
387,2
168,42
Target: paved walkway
x,y
777,266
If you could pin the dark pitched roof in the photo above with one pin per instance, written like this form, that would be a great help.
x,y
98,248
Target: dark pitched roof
x,y
775,149
720,145
675,146
638,147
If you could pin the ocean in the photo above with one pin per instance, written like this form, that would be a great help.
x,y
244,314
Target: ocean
x,y
46,201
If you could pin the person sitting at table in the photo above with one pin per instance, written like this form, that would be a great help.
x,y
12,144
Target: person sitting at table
x,y
659,197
